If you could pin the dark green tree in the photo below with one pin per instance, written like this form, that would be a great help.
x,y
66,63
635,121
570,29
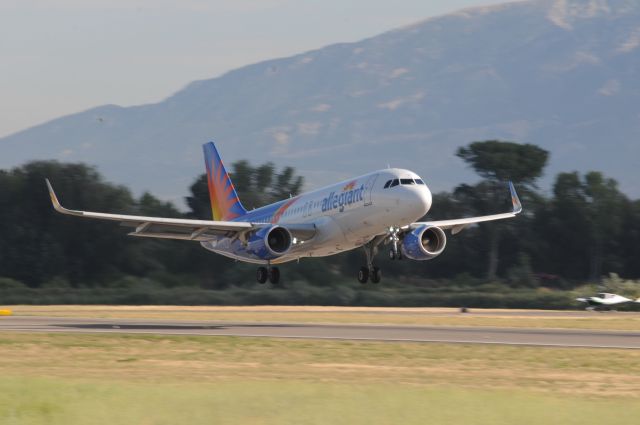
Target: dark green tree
x,y
38,244
498,162
630,239
585,225
198,202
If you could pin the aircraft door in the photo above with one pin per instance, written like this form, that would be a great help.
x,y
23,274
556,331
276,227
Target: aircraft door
x,y
368,189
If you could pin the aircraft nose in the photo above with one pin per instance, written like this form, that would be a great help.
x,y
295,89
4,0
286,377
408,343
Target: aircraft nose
x,y
421,199
425,198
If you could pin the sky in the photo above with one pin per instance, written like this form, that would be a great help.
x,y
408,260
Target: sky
x,y
63,56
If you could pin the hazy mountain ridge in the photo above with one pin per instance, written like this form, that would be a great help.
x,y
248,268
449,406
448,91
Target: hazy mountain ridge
x,y
562,74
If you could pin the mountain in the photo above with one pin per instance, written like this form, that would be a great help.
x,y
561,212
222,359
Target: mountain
x,y
563,74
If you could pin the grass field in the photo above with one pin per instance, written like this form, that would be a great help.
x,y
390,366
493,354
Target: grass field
x,y
51,402
140,379
406,316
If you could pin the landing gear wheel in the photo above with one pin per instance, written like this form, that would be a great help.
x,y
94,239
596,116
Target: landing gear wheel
x,y
274,275
392,254
262,275
370,249
376,275
363,275
400,255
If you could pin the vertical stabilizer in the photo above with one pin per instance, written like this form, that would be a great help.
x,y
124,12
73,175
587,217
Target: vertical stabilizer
x,y
225,204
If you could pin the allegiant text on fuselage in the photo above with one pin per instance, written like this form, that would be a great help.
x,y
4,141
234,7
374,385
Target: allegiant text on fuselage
x,y
345,198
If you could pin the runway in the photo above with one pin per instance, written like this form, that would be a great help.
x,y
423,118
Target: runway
x,y
390,333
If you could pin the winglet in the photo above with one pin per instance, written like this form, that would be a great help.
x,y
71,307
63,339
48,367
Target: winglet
x,y
517,205
54,198
56,204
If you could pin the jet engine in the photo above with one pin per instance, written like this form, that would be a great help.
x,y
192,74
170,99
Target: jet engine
x,y
424,243
269,242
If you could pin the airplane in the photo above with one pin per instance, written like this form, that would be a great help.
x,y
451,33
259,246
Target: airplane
x,y
381,207
605,300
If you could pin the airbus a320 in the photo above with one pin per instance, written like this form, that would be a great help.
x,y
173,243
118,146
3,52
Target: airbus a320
x,y
382,207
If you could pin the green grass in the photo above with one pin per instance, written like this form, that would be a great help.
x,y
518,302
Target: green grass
x,y
144,379
40,401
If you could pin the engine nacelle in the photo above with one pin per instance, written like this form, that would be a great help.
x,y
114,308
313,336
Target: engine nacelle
x,y
424,243
269,242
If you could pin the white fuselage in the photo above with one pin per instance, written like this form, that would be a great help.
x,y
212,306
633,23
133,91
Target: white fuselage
x,y
345,215
605,299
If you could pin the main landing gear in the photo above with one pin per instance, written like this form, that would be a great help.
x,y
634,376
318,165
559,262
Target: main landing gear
x,y
272,274
365,273
370,271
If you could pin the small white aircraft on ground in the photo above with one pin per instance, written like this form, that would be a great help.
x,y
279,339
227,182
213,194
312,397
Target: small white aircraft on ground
x,y
379,207
605,300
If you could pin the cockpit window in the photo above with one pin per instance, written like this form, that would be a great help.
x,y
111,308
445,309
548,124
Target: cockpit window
x,y
419,181
395,182
407,181
386,185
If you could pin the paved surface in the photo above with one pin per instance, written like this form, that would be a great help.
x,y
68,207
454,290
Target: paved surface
x,y
429,312
480,335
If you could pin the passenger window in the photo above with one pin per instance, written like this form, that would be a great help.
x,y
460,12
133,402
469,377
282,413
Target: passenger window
x,y
419,181
386,185
407,181
395,182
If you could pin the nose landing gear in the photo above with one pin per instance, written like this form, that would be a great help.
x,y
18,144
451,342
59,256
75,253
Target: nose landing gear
x,y
395,255
394,252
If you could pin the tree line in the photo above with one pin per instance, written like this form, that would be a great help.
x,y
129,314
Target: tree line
x,y
583,230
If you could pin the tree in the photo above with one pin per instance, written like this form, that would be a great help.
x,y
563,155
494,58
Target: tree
x,y
198,202
497,162
630,239
585,225
37,244
287,184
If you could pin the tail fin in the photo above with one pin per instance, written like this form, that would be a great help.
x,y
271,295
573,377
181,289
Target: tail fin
x,y
225,204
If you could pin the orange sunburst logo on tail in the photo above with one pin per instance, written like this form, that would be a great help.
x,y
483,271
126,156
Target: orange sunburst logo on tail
x,y
225,204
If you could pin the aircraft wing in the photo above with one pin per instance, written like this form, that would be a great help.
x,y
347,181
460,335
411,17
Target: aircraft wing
x,y
166,228
458,225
